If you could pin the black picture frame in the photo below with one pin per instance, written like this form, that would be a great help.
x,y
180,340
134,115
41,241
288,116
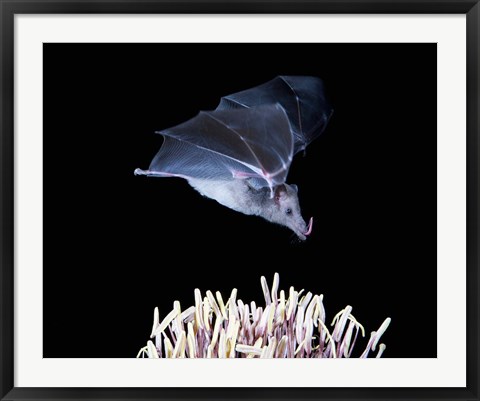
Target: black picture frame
x,y
8,9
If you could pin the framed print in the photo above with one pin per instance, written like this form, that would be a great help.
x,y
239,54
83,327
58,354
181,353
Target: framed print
x,y
287,191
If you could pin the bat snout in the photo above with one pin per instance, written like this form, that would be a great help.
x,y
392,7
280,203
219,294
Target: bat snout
x,y
302,230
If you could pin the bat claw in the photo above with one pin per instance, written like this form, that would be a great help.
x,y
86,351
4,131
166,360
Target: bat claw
x,y
139,171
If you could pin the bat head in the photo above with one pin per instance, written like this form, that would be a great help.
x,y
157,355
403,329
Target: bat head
x,y
287,211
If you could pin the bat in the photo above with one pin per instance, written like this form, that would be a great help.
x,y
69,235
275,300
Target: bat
x,y
240,153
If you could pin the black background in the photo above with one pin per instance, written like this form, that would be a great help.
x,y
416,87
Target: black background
x,y
117,245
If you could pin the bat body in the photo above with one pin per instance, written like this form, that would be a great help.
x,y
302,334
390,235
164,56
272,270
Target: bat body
x,y
239,154
283,208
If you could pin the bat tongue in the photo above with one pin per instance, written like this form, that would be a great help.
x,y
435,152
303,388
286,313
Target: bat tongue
x,y
309,227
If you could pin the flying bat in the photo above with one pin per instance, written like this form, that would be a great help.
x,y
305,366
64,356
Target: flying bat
x,y
239,154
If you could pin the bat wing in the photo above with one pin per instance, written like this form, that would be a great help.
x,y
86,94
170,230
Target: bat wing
x,y
302,97
225,144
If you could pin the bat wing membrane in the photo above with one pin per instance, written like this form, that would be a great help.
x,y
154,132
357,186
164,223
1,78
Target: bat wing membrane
x,y
303,99
224,144
252,134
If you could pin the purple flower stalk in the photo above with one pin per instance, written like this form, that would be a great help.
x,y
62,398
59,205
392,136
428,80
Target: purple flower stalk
x,y
293,327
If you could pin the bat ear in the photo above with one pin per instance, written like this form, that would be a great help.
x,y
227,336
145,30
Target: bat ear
x,y
295,188
280,192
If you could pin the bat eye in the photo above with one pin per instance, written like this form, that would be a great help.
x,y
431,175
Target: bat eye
x,y
288,211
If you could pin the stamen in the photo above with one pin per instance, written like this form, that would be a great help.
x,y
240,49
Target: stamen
x,y
282,348
152,351
276,281
198,308
143,351
271,315
381,348
222,346
266,293
305,300
206,313
216,330
168,347
248,349
292,302
213,303
329,338
191,342
179,350
283,329
380,331
221,304
155,322
272,345
165,322
337,333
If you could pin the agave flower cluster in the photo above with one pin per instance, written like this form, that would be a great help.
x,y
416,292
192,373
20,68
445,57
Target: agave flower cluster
x,y
292,327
